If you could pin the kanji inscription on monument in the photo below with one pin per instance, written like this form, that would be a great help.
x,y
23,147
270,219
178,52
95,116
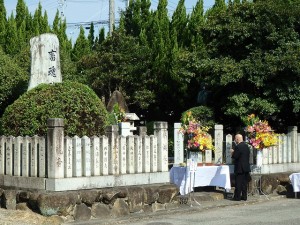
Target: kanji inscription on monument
x,y
45,60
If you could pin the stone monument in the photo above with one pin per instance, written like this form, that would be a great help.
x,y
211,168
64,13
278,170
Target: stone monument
x,y
117,98
126,128
45,60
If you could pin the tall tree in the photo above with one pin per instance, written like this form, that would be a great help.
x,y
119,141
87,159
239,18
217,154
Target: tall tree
x,y
55,23
101,37
21,12
40,21
2,10
59,27
252,48
81,46
11,39
45,28
30,29
145,13
121,63
91,36
36,21
3,23
196,23
133,17
179,23
22,41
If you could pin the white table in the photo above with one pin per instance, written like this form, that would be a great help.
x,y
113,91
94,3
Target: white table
x,y
204,176
295,179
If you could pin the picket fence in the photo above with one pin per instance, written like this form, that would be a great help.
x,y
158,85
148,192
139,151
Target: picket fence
x,y
59,162
285,157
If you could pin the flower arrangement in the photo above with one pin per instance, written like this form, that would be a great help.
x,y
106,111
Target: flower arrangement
x,y
260,135
197,136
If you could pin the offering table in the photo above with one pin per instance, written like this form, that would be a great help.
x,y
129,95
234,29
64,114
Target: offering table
x,y
186,180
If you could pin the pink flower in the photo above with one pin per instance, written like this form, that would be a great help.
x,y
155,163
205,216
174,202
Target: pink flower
x,y
250,129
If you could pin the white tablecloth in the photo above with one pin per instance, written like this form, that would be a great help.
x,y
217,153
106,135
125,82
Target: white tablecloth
x,y
204,176
295,179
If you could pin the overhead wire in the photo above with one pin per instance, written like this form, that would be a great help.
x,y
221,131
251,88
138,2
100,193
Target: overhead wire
x,y
86,1
86,24
53,4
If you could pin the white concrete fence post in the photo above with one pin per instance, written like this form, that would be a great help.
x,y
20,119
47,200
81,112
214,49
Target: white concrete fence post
x,y
55,146
219,143
112,132
293,138
178,145
161,132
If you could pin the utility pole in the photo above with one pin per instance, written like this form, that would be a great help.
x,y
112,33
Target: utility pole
x,y
126,3
111,16
61,5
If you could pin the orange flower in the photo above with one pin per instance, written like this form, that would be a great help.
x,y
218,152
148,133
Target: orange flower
x,y
196,136
259,134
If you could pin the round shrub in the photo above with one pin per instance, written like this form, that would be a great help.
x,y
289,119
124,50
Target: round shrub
x,y
79,106
203,114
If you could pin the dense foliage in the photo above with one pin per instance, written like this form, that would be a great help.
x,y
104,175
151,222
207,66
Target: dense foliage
x,y
13,81
203,114
245,53
82,111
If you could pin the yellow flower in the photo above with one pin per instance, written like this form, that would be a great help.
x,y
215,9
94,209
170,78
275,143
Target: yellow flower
x,y
197,136
260,134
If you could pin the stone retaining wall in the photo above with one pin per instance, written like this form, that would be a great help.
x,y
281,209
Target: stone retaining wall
x,y
95,203
277,183
105,203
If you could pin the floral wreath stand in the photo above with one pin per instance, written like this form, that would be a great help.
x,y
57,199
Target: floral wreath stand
x,y
259,158
260,136
259,163
192,163
193,158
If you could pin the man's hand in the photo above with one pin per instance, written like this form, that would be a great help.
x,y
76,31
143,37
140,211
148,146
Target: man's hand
x,y
231,151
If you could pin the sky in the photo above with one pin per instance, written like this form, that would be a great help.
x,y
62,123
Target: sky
x,y
79,11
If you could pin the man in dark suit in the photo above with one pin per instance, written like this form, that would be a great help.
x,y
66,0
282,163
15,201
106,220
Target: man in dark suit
x,y
241,155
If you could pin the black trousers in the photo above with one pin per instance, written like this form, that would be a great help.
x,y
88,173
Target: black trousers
x,y
241,182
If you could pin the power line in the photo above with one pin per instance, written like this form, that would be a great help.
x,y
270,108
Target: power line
x,y
97,22
61,5
86,1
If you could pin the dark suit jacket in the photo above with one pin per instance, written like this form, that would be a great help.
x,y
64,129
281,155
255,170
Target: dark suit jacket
x,y
241,157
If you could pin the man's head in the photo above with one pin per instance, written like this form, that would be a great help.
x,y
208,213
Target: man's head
x,y
238,138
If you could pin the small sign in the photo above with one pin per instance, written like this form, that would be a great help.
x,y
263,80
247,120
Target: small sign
x,y
192,164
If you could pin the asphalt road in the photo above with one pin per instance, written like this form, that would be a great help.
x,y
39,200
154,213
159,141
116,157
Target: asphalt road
x,y
275,211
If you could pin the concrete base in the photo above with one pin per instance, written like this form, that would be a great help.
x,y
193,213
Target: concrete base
x,y
79,183
272,168
23,182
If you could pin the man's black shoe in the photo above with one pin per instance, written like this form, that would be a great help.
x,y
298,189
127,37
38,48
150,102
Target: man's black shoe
x,y
235,199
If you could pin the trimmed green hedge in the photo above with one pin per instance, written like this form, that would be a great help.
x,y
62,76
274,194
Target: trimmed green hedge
x,y
79,106
203,114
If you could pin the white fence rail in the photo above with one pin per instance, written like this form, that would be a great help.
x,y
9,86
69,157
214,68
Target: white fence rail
x,y
63,158
287,151
23,156
281,158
